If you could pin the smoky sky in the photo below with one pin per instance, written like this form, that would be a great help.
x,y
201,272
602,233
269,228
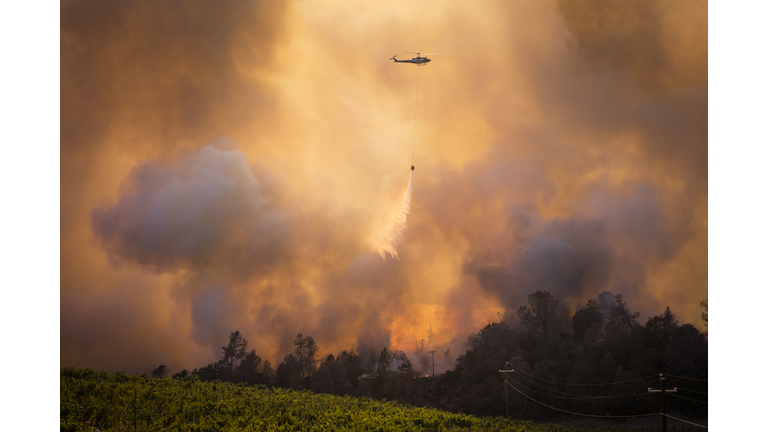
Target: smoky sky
x,y
224,166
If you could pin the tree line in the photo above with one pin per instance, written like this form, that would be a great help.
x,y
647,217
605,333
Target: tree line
x,y
602,365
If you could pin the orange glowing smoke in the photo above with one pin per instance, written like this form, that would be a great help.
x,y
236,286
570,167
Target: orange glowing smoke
x,y
412,324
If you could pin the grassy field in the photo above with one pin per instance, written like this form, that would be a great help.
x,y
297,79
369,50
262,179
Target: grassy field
x,y
92,399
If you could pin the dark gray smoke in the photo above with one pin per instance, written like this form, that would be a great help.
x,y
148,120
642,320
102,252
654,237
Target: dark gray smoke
x,y
577,257
247,251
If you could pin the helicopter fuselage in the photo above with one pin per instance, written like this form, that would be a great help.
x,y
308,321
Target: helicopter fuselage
x,y
414,60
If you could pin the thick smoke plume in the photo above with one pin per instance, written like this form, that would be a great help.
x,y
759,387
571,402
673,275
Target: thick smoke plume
x,y
563,147
193,213
389,232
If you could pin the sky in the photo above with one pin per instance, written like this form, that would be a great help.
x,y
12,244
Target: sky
x,y
244,167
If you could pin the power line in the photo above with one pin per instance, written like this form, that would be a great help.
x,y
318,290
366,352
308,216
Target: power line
x,y
663,392
580,397
692,391
684,421
683,397
573,394
574,413
694,379
542,386
588,385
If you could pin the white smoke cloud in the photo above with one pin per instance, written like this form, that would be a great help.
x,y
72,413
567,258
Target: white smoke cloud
x,y
188,212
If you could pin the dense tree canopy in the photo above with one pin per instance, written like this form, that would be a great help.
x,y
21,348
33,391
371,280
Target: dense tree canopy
x,y
609,352
585,318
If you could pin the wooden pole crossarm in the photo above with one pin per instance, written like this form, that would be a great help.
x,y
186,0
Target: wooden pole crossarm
x,y
650,390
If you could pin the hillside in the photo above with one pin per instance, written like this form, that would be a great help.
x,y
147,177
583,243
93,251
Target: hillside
x,y
93,399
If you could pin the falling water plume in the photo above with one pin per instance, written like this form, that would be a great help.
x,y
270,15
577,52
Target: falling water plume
x,y
389,232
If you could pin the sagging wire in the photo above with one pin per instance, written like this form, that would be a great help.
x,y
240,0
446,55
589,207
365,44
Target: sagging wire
x,y
581,397
683,397
692,391
684,421
575,413
675,376
588,385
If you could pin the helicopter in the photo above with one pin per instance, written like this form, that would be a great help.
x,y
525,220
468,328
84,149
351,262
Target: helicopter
x,y
418,60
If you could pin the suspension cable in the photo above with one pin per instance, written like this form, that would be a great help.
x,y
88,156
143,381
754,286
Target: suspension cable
x,y
415,112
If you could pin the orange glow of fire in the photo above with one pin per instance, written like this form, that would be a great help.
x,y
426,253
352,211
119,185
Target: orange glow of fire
x,y
413,320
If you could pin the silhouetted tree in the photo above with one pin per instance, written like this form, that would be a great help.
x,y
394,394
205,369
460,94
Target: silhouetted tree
x,y
614,347
252,370
208,373
183,374
540,313
351,362
686,354
687,357
160,372
331,377
643,347
288,373
585,318
383,362
398,378
620,315
476,374
268,372
235,351
306,354
659,329
250,365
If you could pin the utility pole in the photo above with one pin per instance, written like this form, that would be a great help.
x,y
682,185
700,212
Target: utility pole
x,y
663,401
422,346
134,402
506,394
433,362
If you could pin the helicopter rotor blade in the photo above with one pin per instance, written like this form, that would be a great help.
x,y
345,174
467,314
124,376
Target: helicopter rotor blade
x,y
411,52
